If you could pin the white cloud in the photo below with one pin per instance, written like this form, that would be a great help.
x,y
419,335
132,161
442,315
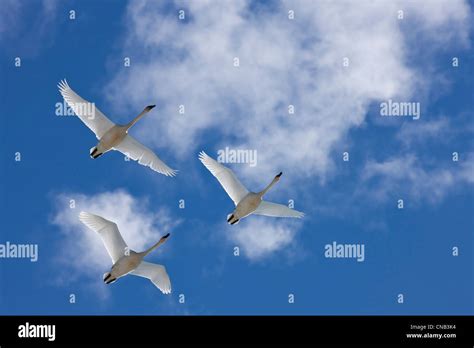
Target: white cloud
x,y
439,21
282,62
33,33
411,133
405,176
8,12
82,252
466,171
261,237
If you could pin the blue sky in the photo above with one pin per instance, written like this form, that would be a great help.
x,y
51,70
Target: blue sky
x,y
282,61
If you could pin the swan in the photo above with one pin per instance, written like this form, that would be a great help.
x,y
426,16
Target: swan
x,y
113,136
126,261
246,202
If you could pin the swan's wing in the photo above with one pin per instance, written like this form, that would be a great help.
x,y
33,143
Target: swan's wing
x,y
137,151
226,177
278,210
156,273
86,111
109,233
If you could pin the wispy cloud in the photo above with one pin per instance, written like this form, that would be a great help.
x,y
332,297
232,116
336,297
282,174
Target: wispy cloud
x,y
8,17
30,33
406,176
261,237
282,62
412,133
81,251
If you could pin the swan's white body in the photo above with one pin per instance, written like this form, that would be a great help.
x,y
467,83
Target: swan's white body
x,y
112,136
246,202
126,261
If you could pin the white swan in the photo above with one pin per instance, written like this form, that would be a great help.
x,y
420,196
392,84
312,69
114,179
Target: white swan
x,y
110,135
246,202
126,261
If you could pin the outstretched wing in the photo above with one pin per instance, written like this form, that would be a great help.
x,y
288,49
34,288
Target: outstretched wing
x,y
139,152
278,210
156,273
226,177
109,233
86,111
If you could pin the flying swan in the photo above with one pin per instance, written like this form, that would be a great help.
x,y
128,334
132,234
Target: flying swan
x,y
126,261
246,202
113,136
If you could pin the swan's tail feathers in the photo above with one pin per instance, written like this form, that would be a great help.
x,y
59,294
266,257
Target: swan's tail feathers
x,y
95,153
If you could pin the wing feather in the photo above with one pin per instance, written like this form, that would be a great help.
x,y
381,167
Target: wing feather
x,y
86,111
109,233
226,178
156,273
277,210
139,152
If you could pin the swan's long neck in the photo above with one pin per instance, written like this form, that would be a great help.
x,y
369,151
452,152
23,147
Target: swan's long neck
x,y
274,181
135,120
156,245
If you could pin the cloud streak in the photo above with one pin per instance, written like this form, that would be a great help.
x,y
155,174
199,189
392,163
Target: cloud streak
x,y
261,237
405,176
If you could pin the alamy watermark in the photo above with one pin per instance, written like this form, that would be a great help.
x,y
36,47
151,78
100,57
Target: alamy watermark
x,y
19,251
229,155
345,251
395,109
28,330
86,108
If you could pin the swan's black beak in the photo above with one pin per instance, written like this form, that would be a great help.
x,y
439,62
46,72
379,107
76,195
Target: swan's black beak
x,y
107,278
111,280
165,236
95,153
279,174
149,107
